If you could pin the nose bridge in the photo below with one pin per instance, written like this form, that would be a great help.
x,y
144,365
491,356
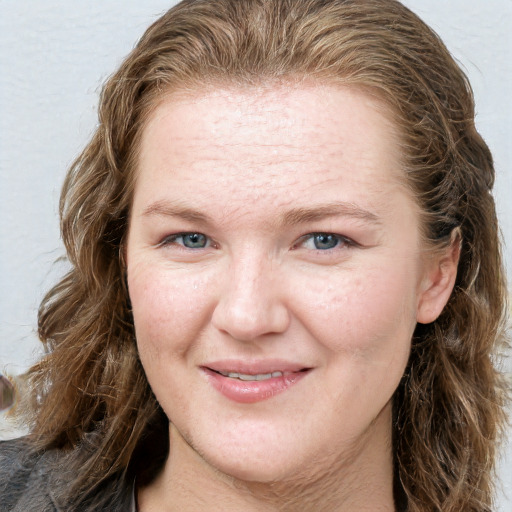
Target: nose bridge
x,y
251,304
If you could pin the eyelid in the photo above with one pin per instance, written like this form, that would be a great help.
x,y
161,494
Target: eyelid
x,y
171,239
345,241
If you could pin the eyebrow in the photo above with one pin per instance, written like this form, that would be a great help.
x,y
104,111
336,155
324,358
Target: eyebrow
x,y
293,216
169,209
337,209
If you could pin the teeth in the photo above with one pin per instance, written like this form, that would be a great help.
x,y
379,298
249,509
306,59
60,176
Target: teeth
x,y
244,376
261,376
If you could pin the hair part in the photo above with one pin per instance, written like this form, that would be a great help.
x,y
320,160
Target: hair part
x,y
448,409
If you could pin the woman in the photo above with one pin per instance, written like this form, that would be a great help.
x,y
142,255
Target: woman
x,y
286,287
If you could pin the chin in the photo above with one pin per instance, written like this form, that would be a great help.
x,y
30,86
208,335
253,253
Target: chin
x,y
253,470
251,463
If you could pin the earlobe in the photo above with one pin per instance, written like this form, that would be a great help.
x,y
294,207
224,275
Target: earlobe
x,y
439,280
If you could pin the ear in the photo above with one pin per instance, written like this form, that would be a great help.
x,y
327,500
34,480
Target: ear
x,y
438,280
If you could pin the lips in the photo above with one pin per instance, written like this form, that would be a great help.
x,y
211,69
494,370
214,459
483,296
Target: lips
x,y
248,377
253,382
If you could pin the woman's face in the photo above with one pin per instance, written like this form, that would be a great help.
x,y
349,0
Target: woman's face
x,y
276,275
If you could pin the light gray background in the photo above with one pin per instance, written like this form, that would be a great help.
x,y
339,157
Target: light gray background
x,y
54,56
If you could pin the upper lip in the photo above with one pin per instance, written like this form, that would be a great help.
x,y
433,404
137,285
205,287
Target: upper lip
x,y
255,367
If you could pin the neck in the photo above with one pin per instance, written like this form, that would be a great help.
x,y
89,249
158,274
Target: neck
x,y
360,481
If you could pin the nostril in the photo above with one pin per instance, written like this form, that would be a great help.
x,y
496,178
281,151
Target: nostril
x,y
247,316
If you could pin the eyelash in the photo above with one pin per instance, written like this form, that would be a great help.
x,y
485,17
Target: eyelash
x,y
172,239
341,241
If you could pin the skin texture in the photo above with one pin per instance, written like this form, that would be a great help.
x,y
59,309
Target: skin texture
x,y
258,171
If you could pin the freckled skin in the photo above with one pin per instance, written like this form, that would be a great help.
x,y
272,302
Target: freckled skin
x,y
244,158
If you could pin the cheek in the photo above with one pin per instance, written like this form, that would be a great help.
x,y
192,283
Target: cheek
x,y
168,309
366,311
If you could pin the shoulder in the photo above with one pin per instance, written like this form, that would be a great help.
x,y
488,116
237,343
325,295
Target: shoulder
x,y
40,481
22,478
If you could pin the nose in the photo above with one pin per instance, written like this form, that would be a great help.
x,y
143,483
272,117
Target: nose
x,y
251,303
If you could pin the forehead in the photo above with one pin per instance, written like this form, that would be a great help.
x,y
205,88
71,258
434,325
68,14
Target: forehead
x,y
300,112
286,138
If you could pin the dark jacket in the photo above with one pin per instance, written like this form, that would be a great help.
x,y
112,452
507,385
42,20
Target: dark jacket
x,y
32,482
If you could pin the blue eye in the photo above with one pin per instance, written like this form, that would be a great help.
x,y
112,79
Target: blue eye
x,y
324,241
189,240
194,240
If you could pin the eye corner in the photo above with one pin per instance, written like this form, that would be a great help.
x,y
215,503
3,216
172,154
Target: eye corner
x,y
187,240
323,241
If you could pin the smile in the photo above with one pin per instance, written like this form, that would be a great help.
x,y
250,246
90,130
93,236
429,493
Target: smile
x,y
246,386
247,377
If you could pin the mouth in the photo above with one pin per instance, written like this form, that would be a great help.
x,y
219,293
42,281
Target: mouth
x,y
256,377
253,383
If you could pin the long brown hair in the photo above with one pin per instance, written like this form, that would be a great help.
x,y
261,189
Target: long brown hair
x,y
90,394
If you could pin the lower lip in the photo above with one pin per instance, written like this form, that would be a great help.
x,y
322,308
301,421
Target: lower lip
x,y
248,392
